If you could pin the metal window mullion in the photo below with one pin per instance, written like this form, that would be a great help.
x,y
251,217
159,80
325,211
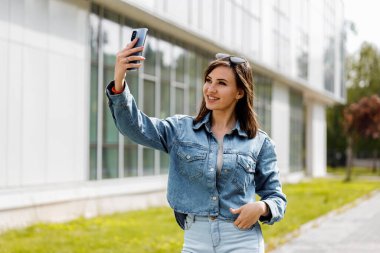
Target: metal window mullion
x,y
198,77
157,102
186,104
121,156
261,36
99,147
140,148
172,82
121,137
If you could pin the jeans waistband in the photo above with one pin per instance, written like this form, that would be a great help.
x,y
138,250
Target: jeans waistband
x,y
204,218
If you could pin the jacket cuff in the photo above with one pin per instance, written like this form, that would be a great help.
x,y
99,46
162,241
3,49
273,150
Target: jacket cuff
x,y
274,213
117,98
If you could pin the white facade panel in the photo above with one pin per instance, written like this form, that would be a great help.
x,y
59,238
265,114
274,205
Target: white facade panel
x,y
67,134
33,109
281,124
15,115
65,142
45,88
316,139
4,77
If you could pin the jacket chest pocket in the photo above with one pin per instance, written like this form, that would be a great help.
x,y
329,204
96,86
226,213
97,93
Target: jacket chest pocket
x,y
191,161
244,172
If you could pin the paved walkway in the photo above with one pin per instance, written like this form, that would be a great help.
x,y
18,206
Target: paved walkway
x,y
355,230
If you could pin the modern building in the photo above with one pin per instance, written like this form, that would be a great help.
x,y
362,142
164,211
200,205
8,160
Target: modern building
x,y
60,154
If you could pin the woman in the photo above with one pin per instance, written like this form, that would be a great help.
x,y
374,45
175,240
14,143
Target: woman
x,y
219,160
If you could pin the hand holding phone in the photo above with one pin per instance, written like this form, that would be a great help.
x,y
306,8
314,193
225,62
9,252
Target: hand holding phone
x,y
140,34
129,58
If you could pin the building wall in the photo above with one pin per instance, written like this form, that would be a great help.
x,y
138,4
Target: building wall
x,y
280,121
60,154
44,82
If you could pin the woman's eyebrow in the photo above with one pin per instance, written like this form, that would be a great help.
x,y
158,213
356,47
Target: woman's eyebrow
x,y
218,79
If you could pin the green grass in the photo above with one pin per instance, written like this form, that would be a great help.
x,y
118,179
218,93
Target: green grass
x,y
356,172
155,230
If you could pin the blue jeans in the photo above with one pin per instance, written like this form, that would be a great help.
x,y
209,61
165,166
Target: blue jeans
x,y
208,235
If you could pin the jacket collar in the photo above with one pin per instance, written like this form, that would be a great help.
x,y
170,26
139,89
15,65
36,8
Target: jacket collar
x,y
206,122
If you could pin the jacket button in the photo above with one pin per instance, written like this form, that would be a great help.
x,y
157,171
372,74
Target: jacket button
x,y
214,198
188,157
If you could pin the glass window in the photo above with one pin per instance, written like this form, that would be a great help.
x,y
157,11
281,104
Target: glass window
x,y
110,161
172,70
329,47
207,17
303,56
253,37
254,7
93,120
149,98
227,21
148,161
111,45
281,35
130,148
150,55
94,42
130,158
238,26
165,64
263,102
179,60
164,163
179,98
111,37
194,71
93,158
194,13
296,149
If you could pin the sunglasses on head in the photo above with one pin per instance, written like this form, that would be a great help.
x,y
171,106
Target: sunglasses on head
x,y
231,58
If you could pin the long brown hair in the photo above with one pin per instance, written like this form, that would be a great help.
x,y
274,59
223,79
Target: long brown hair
x,y
244,110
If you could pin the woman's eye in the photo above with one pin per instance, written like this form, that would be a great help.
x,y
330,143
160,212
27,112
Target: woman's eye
x,y
222,83
208,80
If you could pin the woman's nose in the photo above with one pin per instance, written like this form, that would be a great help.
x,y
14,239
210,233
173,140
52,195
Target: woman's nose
x,y
211,88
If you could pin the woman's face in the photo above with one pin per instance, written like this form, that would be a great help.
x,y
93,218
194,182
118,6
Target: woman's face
x,y
220,90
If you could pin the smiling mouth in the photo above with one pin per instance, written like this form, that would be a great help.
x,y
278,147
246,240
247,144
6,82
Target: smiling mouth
x,y
212,98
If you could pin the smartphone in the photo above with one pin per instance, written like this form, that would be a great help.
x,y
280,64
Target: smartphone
x,y
139,33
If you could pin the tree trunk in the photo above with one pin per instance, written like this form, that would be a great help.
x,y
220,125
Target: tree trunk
x,y
349,160
374,160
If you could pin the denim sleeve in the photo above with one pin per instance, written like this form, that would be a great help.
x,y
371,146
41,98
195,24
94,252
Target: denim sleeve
x,y
131,122
268,185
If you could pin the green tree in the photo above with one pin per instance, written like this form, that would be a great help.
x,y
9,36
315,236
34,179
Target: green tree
x,y
363,73
363,79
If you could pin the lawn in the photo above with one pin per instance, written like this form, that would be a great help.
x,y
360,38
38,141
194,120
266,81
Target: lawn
x,y
155,230
357,172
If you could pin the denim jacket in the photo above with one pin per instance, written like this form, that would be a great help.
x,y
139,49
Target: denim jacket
x,y
194,184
